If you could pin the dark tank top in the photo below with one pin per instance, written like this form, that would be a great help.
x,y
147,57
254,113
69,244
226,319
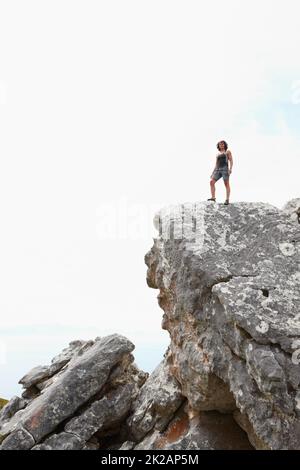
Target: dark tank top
x,y
222,160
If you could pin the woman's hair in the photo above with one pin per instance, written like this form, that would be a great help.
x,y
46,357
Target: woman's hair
x,y
225,143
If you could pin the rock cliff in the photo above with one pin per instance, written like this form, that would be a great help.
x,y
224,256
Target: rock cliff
x,y
229,286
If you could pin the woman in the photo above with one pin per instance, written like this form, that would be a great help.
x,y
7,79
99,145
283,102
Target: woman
x,y
221,170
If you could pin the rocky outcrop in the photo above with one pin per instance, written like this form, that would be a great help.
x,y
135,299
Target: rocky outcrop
x,y
156,403
292,209
88,388
162,419
229,286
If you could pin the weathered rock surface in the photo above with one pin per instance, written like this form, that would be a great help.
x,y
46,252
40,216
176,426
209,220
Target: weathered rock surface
x,y
11,408
92,391
158,400
229,285
292,208
209,430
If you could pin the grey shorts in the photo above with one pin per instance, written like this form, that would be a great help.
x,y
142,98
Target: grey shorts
x,y
219,173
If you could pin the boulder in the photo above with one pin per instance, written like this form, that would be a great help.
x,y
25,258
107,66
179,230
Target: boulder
x,y
94,390
229,285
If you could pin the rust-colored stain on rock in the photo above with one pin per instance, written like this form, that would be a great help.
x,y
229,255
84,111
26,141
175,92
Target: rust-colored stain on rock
x,y
34,421
175,430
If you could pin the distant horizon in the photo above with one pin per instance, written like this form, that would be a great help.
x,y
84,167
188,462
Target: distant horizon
x,y
147,355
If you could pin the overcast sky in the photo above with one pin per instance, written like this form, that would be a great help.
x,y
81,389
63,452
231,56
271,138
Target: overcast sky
x,y
110,110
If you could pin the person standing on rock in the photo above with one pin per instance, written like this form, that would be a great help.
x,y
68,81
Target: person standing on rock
x,y
221,170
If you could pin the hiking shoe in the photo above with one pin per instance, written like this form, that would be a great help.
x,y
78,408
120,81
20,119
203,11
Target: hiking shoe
x,y
226,202
212,199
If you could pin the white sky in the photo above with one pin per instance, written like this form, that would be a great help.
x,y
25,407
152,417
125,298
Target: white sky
x,y
120,104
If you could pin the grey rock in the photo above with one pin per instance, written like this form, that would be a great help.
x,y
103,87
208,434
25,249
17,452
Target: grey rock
x,y
229,286
127,371
85,376
31,393
90,446
37,378
60,362
15,404
35,375
211,430
106,412
149,441
292,209
8,426
156,402
75,348
243,421
18,440
207,430
61,441
127,445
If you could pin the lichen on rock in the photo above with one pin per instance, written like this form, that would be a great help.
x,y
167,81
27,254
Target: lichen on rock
x,y
231,302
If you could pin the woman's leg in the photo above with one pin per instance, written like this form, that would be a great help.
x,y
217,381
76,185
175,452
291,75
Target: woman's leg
x,y
227,185
213,188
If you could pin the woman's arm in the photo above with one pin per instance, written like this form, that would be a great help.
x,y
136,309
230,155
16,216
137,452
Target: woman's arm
x,y
230,159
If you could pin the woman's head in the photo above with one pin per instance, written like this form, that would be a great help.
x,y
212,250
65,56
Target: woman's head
x,y
222,145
